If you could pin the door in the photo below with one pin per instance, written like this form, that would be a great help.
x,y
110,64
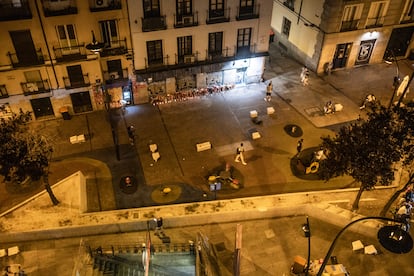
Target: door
x,y
399,41
25,49
341,55
115,69
75,76
42,107
365,51
81,102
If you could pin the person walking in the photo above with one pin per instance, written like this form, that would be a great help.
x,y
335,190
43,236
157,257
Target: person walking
x,y
304,76
240,154
131,134
299,146
269,90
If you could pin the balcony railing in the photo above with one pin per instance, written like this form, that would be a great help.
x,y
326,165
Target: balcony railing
x,y
349,25
375,22
35,87
114,77
78,84
218,16
186,59
3,91
249,12
118,47
407,18
222,55
71,53
186,20
10,11
35,60
154,24
96,5
56,8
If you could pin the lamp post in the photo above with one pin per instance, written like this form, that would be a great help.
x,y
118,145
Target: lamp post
x,y
392,238
97,47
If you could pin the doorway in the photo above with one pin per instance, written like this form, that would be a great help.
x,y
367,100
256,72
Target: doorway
x,y
81,102
25,49
42,107
341,55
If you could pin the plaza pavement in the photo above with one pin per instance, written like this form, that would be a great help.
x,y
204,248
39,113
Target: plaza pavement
x,y
224,120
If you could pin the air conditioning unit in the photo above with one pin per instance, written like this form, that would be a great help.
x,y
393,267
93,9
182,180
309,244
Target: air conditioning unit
x,y
114,75
32,87
187,20
189,59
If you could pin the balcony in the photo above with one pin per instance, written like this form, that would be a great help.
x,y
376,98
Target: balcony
x,y
26,61
35,87
249,12
14,11
72,53
115,77
154,24
221,55
117,48
104,5
349,25
186,59
407,18
3,92
218,16
76,84
186,20
375,22
62,7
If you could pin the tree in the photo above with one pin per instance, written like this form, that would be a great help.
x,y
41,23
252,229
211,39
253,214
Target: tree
x,y
23,154
369,149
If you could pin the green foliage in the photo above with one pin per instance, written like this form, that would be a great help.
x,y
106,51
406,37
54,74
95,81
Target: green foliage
x,y
22,153
368,149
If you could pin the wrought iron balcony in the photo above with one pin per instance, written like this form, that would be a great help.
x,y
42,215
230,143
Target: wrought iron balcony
x,y
186,59
71,53
3,91
349,25
77,84
104,5
249,12
218,16
183,21
27,61
56,8
221,55
117,47
154,24
35,87
407,18
375,22
14,11
114,77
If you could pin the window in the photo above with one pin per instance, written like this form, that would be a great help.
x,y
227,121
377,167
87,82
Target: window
x,y
3,94
408,14
109,33
286,26
16,3
243,40
215,43
377,13
351,16
290,4
246,3
67,37
183,7
154,52
216,8
184,46
151,8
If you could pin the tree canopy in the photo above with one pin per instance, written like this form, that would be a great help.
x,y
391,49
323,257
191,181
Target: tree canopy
x,y
22,152
368,150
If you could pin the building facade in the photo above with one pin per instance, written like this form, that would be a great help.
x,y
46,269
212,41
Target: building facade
x,y
63,56
332,35
181,45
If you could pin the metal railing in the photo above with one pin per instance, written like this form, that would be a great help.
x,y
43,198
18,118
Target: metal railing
x,y
187,20
10,12
35,87
77,52
71,85
248,12
218,16
154,23
56,8
35,60
349,25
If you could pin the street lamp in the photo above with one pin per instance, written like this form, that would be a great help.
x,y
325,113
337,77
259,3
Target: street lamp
x,y
97,47
392,238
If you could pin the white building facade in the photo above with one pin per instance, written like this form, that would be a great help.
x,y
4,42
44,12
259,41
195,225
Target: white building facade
x,y
340,34
187,44
46,66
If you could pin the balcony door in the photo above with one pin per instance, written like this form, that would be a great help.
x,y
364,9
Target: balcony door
x,y
215,44
243,41
25,49
109,30
183,9
151,8
75,76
